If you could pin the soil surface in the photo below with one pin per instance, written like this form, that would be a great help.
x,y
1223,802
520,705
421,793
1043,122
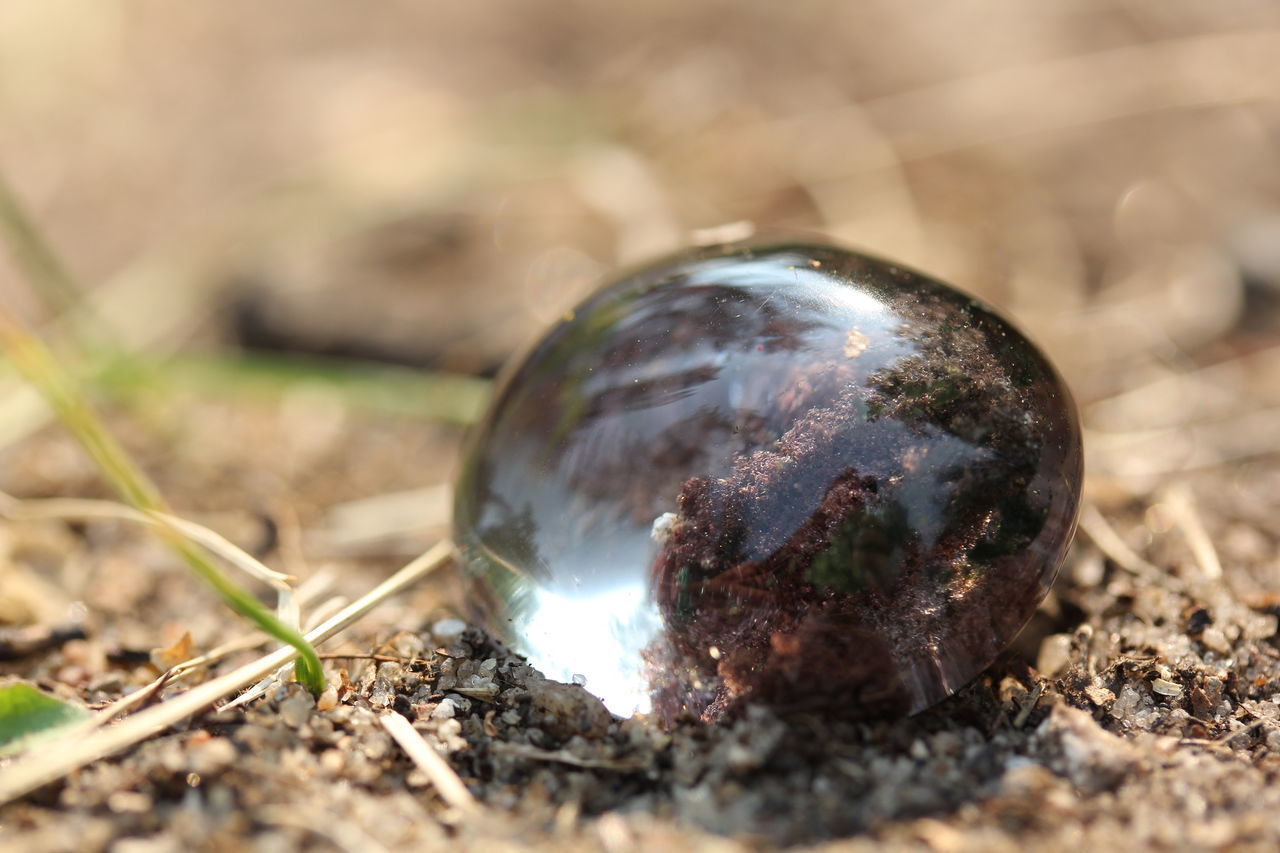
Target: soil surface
x,y
406,198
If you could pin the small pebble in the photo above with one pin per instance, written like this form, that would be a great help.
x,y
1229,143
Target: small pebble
x,y
1055,654
296,710
328,699
382,693
447,631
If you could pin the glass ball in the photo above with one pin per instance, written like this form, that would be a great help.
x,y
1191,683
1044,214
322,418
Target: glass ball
x,y
782,473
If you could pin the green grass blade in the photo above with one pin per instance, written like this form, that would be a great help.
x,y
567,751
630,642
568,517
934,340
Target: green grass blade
x,y
365,386
42,371
37,260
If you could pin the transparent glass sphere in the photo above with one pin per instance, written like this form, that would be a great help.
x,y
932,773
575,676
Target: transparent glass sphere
x,y
785,473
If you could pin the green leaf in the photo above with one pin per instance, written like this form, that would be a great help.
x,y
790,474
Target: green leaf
x,y
26,713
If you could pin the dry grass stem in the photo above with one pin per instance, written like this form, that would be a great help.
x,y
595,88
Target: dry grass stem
x,y
442,776
1028,705
39,367
561,756
54,761
85,510
1169,450
356,525
1174,395
37,259
324,610
1117,550
1186,515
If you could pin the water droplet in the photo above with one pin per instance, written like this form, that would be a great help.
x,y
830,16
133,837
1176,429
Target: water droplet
x,y
780,473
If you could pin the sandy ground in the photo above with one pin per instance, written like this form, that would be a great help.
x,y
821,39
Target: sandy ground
x,y
428,186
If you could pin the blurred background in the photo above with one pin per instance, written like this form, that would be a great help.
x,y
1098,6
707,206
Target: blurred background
x,y
406,193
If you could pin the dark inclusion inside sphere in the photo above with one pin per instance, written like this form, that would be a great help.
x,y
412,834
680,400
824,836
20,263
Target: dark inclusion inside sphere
x,y
782,473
